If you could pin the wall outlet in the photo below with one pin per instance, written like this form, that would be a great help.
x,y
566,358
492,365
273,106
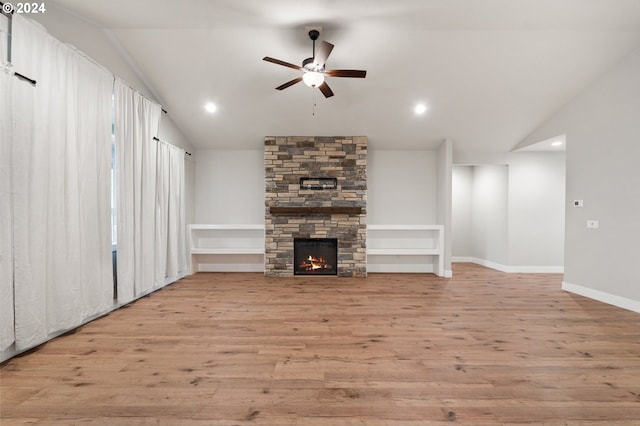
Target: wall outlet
x,y
578,203
593,224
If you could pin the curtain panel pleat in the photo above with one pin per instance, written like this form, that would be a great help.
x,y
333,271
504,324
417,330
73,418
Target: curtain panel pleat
x,y
177,227
162,212
4,47
136,123
171,261
7,333
61,178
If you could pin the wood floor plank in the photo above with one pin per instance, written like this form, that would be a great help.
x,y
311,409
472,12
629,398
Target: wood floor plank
x,y
482,348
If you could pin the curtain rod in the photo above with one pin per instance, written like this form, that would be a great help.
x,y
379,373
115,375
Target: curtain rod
x,y
30,80
156,139
9,29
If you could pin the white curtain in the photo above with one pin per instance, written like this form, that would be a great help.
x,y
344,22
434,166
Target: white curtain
x,y
177,228
171,261
7,335
61,178
4,38
136,124
4,45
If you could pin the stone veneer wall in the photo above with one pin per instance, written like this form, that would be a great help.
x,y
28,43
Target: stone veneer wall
x,y
287,159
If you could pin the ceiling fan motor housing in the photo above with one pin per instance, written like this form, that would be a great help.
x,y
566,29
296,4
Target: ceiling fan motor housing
x,y
309,65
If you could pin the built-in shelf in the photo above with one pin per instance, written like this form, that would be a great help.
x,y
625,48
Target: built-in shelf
x,y
229,250
390,248
405,248
226,248
403,252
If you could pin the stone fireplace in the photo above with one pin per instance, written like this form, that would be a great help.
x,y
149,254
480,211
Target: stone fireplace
x,y
315,188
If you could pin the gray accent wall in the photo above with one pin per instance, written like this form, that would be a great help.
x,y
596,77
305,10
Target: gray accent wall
x,y
603,154
536,210
489,226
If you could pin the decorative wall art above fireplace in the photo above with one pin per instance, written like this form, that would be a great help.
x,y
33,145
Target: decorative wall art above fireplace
x,y
318,183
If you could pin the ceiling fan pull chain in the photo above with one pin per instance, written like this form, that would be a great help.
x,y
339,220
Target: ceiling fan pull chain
x,y
314,103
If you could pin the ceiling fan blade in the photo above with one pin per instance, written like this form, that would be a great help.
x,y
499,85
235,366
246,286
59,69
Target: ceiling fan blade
x,y
323,52
326,90
346,73
289,83
283,63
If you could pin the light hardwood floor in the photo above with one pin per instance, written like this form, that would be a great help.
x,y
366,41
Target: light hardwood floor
x,y
392,349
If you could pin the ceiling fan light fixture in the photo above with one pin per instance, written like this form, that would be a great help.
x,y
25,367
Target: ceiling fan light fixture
x,y
313,79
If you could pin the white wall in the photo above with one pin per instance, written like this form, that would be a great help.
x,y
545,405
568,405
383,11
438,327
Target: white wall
x,y
532,209
536,210
461,212
229,187
401,187
444,201
489,220
603,149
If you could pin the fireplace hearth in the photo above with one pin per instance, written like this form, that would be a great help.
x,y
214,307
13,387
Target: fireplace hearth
x,y
315,256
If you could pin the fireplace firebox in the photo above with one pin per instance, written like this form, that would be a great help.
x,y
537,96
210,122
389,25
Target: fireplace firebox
x,y
315,256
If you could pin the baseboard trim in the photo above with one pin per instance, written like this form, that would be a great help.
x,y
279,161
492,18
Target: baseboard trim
x,y
510,269
601,296
481,262
536,269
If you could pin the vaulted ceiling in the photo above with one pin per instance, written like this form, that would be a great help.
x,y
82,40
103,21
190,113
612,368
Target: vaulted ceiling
x,y
490,71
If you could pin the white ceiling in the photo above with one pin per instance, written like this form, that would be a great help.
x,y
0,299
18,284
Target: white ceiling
x,y
555,144
490,71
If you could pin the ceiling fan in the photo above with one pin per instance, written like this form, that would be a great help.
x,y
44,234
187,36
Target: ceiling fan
x,y
313,68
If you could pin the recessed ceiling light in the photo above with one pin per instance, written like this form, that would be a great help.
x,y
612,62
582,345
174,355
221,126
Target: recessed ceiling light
x,y
420,109
210,107
556,143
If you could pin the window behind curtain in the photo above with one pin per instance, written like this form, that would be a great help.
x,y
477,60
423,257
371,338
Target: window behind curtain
x,y
114,217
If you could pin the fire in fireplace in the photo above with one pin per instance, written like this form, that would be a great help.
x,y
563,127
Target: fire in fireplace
x,y
315,256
